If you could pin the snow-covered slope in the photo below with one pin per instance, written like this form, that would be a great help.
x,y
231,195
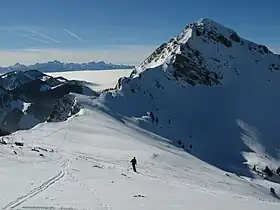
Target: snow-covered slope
x,y
31,97
57,66
209,91
84,164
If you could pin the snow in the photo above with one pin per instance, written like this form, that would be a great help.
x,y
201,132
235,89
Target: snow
x,y
86,166
99,80
45,78
226,129
219,123
25,106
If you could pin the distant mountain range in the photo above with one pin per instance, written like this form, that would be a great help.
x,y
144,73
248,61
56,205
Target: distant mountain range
x,y
57,66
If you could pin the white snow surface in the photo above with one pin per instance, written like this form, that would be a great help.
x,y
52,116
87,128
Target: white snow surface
x,y
99,80
85,165
25,106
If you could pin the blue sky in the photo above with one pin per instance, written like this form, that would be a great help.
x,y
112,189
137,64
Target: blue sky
x,y
120,30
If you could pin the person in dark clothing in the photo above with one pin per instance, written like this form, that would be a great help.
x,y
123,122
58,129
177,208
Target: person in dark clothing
x,y
268,171
254,168
133,163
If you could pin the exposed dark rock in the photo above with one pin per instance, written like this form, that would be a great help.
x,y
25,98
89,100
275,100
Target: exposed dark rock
x,y
278,170
43,149
34,97
197,32
19,144
235,37
139,196
193,73
2,141
274,67
265,49
35,150
223,40
64,108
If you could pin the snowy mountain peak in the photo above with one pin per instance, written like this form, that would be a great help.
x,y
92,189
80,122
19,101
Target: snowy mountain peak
x,y
18,65
211,24
205,52
208,89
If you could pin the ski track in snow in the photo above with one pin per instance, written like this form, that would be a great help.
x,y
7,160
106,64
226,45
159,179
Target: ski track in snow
x,y
39,189
20,200
48,208
101,205
98,148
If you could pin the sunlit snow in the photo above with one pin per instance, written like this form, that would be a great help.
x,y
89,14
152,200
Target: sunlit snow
x,y
84,164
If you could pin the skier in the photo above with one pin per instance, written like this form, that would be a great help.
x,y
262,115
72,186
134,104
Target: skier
x,y
272,190
134,162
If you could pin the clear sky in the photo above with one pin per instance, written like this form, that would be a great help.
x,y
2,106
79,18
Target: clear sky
x,y
120,31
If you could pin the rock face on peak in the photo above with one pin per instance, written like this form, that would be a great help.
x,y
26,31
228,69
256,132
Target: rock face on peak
x,y
206,51
209,91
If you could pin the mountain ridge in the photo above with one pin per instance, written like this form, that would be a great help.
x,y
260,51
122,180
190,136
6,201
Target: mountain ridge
x,y
206,90
57,66
30,97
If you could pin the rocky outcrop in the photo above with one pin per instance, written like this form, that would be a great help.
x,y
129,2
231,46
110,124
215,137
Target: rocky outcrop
x,y
31,97
64,108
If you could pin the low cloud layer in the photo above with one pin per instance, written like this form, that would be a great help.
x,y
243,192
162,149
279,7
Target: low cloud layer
x,y
131,55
